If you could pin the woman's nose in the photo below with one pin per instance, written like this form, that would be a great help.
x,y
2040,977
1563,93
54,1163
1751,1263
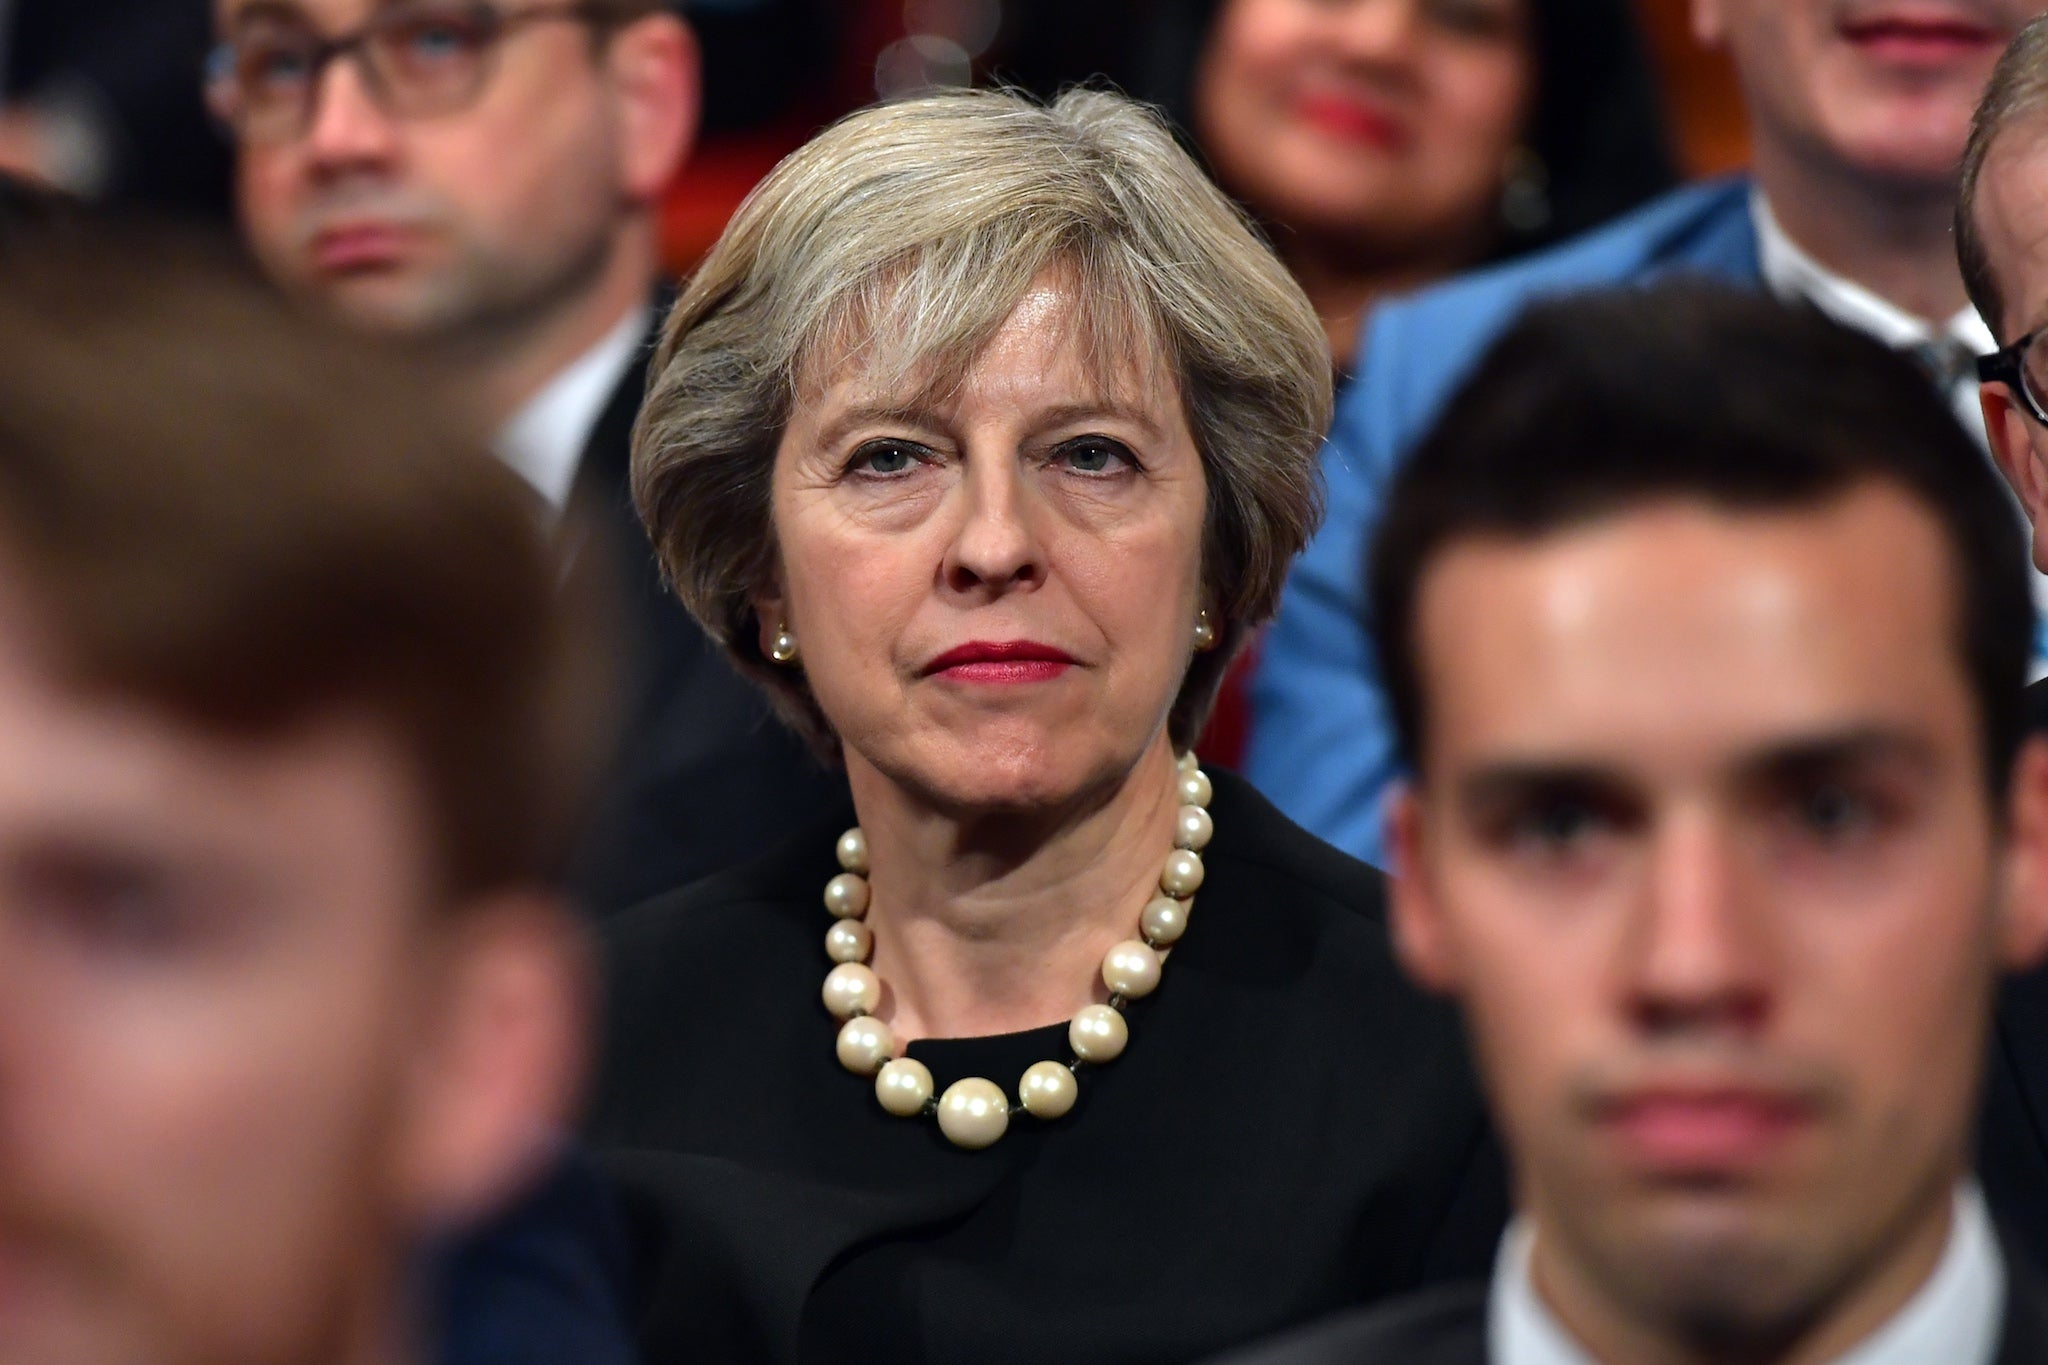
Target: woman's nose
x,y
996,547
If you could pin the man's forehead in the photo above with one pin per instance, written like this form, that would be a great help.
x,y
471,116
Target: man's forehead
x,y
1688,628
2012,218
328,16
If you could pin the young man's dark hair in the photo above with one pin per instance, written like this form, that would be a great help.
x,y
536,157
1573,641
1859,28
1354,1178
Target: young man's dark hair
x,y
1687,391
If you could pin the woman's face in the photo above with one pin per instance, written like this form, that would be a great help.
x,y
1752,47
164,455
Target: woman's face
x,y
1386,124
994,593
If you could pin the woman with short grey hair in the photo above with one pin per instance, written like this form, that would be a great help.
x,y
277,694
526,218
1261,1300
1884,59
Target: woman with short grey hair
x,y
982,439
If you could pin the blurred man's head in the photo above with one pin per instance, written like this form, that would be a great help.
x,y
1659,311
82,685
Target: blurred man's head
x,y
2002,242
287,740
1880,90
465,168
1716,829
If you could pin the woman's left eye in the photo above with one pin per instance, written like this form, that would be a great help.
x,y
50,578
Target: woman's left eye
x,y
886,457
1095,455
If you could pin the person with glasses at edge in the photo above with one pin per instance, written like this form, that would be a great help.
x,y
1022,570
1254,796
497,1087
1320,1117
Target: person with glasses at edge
x,y
2002,244
478,179
1858,111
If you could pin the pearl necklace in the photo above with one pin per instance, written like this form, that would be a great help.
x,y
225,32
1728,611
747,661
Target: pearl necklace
x,y
974,1112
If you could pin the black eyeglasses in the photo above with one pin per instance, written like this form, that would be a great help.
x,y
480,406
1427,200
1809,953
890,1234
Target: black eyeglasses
x,y
2023,368
417,61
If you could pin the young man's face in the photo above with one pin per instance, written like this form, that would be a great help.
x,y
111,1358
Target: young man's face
x,y
1881,88
228,1088
1703,845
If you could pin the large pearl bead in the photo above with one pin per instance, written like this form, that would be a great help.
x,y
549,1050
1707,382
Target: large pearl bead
x,y
848,940
1182,875
865,1042
1193,829
853,851
1098,1034
1188,762
1195,789
1131,969
846,895
903,1085
973,1113
1048,1090
852,989
1164,920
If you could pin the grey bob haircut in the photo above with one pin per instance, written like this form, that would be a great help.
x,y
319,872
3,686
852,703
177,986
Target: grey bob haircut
x,y
899,241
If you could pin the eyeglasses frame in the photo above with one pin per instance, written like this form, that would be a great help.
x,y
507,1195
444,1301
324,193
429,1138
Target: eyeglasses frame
x,y
325,52
2007,366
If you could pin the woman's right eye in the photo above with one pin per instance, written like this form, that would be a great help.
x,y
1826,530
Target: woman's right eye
x,y
887,457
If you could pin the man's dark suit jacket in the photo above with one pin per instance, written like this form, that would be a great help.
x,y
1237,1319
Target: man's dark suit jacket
x,y
2012,1156
1448,1327
705,776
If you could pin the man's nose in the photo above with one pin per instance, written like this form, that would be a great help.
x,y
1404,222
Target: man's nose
x,y
346,124
1700,948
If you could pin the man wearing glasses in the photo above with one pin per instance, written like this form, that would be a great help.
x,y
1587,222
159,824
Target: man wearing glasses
x,y
479,179
2002,241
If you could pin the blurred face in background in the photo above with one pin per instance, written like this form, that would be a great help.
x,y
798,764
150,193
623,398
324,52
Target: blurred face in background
x,y
1382,126
1882,88
1703,845
482,209
240,1062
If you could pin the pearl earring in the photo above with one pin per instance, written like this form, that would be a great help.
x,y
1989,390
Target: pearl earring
x,y
783,648
1205,634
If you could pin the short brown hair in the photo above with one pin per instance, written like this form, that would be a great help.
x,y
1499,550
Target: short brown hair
x,y
2017,91
228,512
912,230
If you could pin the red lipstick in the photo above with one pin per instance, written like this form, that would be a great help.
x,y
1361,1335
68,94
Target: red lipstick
x,y
1000,662
1356,121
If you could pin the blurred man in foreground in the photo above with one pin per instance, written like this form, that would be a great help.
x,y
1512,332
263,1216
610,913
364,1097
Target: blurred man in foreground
x,y
479,179
1724,825
291,732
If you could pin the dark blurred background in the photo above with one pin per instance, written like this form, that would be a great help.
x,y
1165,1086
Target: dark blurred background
x,y
103,95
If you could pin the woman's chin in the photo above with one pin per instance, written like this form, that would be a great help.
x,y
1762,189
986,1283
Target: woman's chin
x,y
1015,772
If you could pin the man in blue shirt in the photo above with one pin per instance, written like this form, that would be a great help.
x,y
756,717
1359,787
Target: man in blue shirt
x,y
1859,115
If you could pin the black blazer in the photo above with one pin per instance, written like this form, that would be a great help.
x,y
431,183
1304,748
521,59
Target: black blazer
x,y
1448,1327
1293,1130
705,775
2012,1158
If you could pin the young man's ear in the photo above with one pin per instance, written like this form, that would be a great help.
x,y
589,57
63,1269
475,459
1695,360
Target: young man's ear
x,y
500,1065
2023,922
2010,429
1420,941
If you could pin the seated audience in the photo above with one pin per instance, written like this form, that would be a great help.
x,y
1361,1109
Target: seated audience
x,y
981,440
292,728
1724,823
481,180
2002,243
1859,115
1384,144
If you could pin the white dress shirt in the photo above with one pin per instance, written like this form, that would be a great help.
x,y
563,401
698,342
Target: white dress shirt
x,y
544,440
1956,1317
1792,274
